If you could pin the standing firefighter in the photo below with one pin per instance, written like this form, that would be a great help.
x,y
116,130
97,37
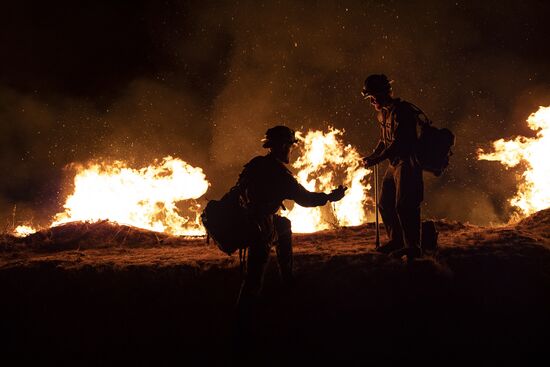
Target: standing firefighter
x,y
264,183
402,186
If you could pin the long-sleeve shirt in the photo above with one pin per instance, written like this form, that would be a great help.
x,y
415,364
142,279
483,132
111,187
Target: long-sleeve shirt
x,y
398,130
267,182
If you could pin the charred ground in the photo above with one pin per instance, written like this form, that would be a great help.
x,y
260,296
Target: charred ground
x,y
103,293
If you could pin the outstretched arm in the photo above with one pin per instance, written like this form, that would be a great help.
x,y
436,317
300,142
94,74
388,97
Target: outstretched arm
x,y
306,198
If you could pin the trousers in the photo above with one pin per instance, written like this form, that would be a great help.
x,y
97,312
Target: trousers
x,y
258,256
400,198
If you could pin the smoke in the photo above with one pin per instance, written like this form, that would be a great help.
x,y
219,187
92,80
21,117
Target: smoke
x,y
203,81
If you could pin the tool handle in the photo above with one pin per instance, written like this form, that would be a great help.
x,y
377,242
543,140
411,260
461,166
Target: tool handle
x,y
376,205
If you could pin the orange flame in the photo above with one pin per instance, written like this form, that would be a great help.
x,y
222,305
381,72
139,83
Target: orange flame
x,y
144,198
147,197
534,188
325,162
23,231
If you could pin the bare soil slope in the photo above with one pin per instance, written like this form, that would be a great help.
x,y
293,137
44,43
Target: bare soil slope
x,y
108,294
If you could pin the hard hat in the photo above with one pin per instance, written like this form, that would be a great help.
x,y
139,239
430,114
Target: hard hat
x,y
376,84
279,135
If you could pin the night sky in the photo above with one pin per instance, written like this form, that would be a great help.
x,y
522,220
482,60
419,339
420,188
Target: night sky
x,y
203,80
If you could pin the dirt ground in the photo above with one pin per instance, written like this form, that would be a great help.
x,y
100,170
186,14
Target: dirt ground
x,y
102,294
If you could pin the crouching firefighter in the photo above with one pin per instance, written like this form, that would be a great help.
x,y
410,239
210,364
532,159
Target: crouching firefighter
x,y
402,186
264,183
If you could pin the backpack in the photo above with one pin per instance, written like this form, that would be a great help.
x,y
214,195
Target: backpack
x,y
228,222
433,149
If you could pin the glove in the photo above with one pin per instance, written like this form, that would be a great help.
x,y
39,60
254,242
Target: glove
x,y
371,161
337,194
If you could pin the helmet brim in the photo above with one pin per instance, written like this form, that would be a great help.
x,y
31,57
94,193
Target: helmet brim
x,y
272,143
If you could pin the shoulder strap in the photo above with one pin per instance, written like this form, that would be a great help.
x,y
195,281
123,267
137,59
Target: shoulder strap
x,y
249,168
423,119
253,172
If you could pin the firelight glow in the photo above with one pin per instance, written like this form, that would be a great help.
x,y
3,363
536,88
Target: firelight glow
x,y
534,187
147,197
23,230
324,163
144,198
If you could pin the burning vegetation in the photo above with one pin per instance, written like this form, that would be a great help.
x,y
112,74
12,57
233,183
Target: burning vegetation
x,y
157,196
148,197
532,154
144,198
325,161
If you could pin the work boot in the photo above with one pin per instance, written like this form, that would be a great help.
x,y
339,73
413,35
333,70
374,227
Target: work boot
x,y
390,246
